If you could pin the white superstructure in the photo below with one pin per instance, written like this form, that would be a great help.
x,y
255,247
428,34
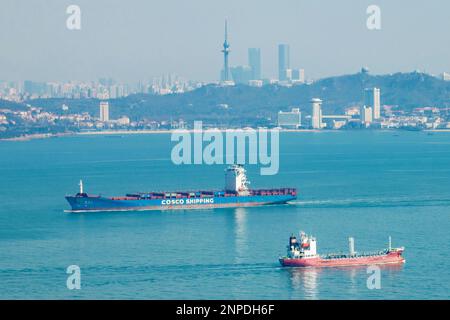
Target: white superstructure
x,y
236,180
305,247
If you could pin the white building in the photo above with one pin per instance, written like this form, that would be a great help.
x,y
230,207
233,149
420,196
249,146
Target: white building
x,y
372,99
446,76
255,83
288,74
290,119
123,121
316,119
366,115
104,111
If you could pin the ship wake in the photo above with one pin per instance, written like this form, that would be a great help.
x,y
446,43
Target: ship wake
x,y
373,202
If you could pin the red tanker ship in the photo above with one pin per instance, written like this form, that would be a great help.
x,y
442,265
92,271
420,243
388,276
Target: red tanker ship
x,y
303,253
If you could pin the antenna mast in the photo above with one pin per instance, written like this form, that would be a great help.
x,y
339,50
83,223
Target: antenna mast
x,y
226,51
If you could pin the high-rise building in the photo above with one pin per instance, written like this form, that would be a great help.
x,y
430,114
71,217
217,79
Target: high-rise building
x,y
366,115
316,118
104,111
283,61
32,87
226,52
28,86
254,61
290,119
372,99
376,103
241,74
298,75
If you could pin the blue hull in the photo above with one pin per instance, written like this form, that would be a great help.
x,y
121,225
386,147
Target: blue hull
x,y
97,203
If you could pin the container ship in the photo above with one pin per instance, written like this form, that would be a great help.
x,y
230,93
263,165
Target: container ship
x,y
303,253
236,194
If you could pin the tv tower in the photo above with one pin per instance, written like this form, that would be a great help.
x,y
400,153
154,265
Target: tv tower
x,y
226,51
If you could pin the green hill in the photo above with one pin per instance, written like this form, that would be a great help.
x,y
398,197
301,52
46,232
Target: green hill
x,y
241,105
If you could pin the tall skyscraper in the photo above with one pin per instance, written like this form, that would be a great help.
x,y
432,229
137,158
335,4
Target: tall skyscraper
x,y
226,52
316,119
376,103
32,87
28,86
283,61
372,99
254,61
104,111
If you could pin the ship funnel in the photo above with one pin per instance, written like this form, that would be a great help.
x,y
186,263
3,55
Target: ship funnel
x,y
390,243
81,186
351,246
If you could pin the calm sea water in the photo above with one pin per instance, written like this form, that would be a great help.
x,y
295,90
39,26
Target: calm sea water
x,y
368,185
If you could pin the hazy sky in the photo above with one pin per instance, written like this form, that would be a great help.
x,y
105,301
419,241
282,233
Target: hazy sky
x,y
132,40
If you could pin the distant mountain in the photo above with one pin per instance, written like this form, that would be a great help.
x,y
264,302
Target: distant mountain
x,y
242,104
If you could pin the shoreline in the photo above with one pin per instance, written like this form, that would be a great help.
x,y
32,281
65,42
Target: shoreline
x,y
36,136
130,132
112,132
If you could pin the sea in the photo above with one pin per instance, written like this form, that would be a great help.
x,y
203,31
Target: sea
x,y
365,184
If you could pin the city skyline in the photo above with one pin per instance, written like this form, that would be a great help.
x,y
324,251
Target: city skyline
x,y
111,40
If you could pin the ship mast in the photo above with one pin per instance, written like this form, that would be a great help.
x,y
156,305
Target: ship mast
x,y
81,186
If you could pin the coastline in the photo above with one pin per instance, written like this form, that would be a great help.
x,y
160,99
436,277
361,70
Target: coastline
x,y
36,136
130,132
111,132
29,137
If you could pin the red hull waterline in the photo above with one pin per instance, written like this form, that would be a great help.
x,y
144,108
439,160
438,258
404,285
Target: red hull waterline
x,y
393,257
